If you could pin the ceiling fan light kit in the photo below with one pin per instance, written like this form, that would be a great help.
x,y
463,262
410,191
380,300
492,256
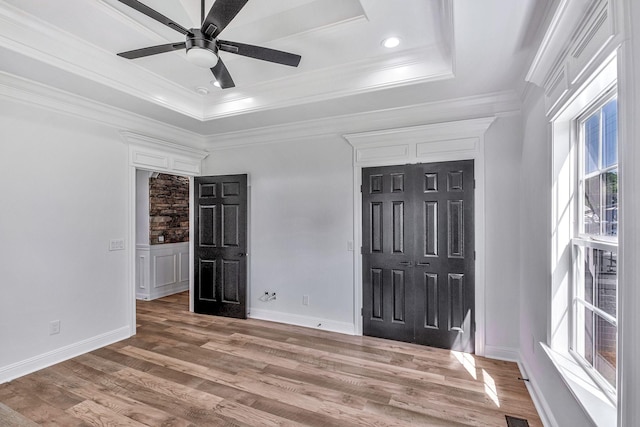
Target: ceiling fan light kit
x,y
200,50
202,45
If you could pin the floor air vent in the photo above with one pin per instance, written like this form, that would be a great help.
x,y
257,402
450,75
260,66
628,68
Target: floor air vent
x,y
516,422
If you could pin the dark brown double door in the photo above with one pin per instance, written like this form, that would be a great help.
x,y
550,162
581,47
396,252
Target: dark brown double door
x,y
220,245
418,254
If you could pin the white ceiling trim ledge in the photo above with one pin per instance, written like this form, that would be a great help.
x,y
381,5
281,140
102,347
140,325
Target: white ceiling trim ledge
x,y
42,96
494,104
34,38
334,83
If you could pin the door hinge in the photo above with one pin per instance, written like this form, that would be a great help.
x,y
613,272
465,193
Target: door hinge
x,y
361,250
474,184
361,188
361,311
474,255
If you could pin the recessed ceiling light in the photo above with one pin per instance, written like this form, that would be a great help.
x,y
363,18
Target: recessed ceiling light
x,y
215,83
202,91
391,42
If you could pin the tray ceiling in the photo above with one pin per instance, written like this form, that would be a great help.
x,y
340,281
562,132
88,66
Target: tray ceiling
x,y
72,45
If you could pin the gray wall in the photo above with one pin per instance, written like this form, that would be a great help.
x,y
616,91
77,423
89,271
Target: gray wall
x,y
64,189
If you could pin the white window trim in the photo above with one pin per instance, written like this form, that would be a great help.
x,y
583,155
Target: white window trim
x,y
595,402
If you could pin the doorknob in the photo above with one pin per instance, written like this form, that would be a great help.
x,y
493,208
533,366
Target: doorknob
x,y
241,254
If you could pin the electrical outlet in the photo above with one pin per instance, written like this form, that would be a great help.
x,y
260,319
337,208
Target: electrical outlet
x,y
350,245
305,299
54,327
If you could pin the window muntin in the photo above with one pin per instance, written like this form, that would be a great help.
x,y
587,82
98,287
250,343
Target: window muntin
x,y
594,310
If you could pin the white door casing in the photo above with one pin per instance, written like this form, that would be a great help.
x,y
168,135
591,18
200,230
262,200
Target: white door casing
x,y
449,141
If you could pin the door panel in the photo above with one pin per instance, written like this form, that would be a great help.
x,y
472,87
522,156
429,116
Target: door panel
x,y
387,273
447,224
418,251
221,245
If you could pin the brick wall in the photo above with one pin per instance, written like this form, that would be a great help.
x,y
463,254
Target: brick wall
x,y
169,209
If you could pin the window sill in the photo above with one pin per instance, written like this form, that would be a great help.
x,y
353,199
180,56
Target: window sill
x,y
591,398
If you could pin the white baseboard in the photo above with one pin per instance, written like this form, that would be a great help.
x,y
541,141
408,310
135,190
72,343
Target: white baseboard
x,y
19,369
541,404
306,321
164,291
502,353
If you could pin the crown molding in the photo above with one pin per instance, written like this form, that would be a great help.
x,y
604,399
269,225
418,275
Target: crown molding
x,y
31,37
28,92
557,38
414,65
459,129
495,104
582,35
34,38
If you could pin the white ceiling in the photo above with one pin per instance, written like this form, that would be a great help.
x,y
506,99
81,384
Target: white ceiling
x,y
449,49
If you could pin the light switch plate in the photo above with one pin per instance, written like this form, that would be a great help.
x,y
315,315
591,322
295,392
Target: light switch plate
x,y
116,244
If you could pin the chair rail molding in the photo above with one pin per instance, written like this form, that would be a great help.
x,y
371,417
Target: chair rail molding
x,y
447,141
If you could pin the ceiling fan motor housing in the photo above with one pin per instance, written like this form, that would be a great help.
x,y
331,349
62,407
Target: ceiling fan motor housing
x,y
198,40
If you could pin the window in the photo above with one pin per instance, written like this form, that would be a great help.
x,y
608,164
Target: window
x,y
595,244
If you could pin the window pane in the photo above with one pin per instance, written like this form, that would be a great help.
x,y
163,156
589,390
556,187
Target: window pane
x,y
605,267
588,336
592,143
589,275
606,349
611,203
610,133
592,205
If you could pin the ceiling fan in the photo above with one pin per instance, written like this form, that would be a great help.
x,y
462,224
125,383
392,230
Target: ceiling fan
x,y
202,44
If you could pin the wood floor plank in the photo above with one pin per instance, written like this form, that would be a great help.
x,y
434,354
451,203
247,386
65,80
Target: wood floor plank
x,y
99,416
9,417
186,370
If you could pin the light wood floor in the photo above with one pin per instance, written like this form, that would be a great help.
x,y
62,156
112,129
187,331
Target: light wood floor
x,y
184,369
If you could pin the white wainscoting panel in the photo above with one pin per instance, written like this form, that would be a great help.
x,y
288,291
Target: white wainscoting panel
x,y
162,270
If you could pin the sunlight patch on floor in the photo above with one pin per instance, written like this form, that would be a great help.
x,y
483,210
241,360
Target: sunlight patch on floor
x,y
490,387
467,361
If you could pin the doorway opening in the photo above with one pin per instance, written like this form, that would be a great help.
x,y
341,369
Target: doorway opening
x,y
162,237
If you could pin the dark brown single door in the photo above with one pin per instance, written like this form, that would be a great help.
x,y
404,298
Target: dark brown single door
x,y
418,254
220,243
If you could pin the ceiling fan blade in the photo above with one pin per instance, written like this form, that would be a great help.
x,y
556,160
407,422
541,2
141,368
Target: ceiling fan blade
x,y
258,52
222,12
152,50
142,8
222,75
